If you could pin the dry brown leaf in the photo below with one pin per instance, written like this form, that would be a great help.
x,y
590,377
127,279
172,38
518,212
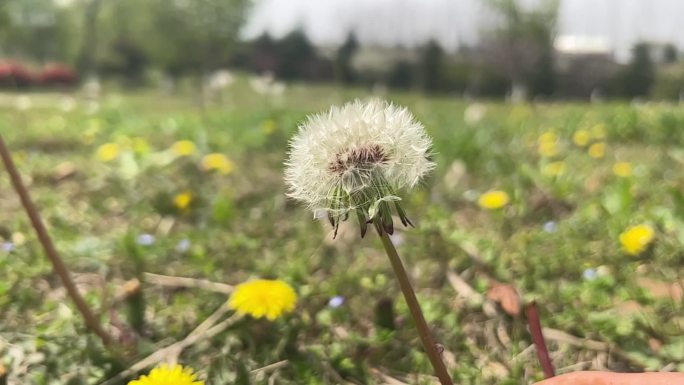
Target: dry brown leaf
x,y
507,297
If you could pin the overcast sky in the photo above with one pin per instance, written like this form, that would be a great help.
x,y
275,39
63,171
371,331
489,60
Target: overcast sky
x,y
453,22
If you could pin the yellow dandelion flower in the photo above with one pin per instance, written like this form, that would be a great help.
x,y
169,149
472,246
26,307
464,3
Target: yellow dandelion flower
x,y
494,199
268,126
636,239
581,138
140,145
182,200
183,148
597,150
263,298
108,152
168,375
218,162
622,169
547,144
599,131
554,168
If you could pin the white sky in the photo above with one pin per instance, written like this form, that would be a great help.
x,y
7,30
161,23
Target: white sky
x,y
411,22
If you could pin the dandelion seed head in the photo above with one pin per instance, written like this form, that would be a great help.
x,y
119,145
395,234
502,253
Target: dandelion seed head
x,y
367,150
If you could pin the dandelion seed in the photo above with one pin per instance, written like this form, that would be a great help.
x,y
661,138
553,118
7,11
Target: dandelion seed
x,y
597,150
622,169
336,301
183,148
474,113
218,162
636,239
108,152
494,199
146,239
581,138
169,375
263,298
353,160
182,200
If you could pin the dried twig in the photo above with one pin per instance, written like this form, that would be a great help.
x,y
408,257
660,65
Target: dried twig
x,y
91,321
207,329
271,367
172,281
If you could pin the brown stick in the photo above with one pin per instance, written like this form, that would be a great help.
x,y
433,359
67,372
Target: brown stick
x,y
538,339
414,308
57,263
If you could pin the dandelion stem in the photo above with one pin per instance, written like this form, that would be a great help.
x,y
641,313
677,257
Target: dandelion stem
x,y
58,264
539,341
414,307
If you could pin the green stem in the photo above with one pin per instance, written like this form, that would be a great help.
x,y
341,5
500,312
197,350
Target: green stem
x,y
414,308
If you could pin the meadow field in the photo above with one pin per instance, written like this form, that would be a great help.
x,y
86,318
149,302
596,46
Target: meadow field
x,y
135,206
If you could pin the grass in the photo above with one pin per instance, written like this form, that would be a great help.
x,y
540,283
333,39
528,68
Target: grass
x,y
556,242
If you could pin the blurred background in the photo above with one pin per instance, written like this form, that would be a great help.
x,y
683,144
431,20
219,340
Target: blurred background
x,y
481,48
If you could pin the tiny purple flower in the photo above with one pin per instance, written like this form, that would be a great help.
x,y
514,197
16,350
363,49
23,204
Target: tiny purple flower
x,y
183,246
336,301
589,274
550,227
146,239
7,247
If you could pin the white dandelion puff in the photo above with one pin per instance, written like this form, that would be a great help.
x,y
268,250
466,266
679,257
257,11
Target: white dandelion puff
x,y
354,158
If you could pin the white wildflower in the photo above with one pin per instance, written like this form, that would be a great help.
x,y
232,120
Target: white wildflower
x,y
354,158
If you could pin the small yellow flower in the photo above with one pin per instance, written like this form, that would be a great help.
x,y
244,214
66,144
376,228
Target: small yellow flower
x,y
263,298
182,200
183,148
168,375
636,239
268,126
599,131
554,168
622,169
494,199
140,145
581,137
108,152
218,162
547,144
597,150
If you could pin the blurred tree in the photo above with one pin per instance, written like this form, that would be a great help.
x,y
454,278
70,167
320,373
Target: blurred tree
x,y
670,55
193,36
669,82
296,53
639,75
522,48
86,57
402,75
431,68
344,72
36,30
